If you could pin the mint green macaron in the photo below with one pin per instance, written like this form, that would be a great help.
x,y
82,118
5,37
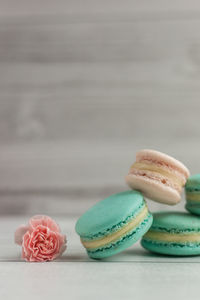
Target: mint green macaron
x,y
114,224
173,233
192,193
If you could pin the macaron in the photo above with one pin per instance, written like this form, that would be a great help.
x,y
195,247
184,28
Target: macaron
x,y
114,224
192,192
173,233
158,176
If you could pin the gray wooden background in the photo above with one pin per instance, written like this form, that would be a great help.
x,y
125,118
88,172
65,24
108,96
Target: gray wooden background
x,y
83,86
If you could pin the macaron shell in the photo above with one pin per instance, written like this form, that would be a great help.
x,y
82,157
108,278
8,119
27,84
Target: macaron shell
x,y
109,212
172,249
181,221
153,189
193,208
159,156
193,182
125,242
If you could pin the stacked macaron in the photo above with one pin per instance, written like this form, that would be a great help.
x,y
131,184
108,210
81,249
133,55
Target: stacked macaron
x,y
119,221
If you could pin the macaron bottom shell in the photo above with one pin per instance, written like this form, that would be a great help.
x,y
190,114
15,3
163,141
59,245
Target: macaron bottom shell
x,y
124,242
153,189
173,249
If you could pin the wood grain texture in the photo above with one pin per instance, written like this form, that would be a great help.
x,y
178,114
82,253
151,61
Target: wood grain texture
x,y
83,87
98,8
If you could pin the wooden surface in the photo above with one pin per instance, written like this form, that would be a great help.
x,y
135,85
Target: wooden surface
x,y
83,87
135,272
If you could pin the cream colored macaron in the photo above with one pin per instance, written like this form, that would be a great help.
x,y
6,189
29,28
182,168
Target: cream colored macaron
x,y
158,176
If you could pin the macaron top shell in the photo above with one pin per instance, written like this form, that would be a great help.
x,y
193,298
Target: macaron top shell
x,y
175,222
161,157
193,182
109,212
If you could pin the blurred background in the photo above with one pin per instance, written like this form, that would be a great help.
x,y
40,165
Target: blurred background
x,y
86,84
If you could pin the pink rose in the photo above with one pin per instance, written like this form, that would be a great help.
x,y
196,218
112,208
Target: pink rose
x,y
41,239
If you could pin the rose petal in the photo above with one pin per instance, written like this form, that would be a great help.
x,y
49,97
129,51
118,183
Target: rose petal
x,y
62,249
26,245
45,221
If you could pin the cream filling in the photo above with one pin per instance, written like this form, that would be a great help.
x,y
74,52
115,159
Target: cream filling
x,y
172,237
193,196
118,234
179,181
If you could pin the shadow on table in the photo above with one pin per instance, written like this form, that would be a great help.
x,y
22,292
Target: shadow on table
x,y
131,255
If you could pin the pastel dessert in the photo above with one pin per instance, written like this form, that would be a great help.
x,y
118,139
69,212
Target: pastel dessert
x,y
114,224
173,233
192,192
158,176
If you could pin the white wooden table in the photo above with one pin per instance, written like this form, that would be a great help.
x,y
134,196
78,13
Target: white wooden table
x,y
133,274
